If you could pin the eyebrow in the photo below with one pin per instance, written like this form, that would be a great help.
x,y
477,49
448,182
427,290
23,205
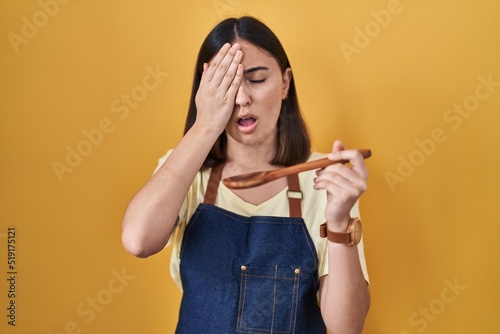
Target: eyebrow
x,y
257,68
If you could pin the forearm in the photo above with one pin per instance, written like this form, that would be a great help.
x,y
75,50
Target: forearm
x,y
150,217
345,297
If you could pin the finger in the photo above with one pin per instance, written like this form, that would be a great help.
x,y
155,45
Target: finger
x,y
212,66
343,176
344,154
235,84
354,157
340,169
204,73
338,192
340,187
225,64
338,146
230,76
325,180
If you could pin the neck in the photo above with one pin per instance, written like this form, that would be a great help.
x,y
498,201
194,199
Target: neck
x,y
243,158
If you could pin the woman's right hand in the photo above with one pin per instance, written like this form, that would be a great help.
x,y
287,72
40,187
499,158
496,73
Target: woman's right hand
x,y
219,84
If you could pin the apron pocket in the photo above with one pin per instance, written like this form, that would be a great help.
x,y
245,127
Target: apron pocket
x,y
268,299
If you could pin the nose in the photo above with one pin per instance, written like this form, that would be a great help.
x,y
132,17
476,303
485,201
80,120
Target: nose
x,y
243,96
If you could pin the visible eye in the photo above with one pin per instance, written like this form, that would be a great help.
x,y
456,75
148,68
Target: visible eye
x,y
257,81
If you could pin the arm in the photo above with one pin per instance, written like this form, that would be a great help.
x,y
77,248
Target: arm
x,y
150,217
344,294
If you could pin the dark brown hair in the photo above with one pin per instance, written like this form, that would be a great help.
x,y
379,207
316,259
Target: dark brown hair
x,y
293,144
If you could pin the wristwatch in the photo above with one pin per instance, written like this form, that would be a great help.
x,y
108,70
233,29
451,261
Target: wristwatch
x,y
351,237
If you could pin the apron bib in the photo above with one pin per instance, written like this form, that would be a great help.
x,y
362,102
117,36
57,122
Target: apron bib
x,y
248,274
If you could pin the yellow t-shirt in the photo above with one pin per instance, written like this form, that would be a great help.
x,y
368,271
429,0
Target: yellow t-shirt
x,y
313,207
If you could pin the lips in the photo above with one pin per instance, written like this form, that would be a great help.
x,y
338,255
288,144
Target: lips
x,y
246,124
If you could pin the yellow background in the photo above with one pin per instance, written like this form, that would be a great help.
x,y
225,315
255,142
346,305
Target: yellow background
x,y
433,225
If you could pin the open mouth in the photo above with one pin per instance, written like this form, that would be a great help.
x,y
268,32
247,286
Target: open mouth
x,y
247,124
246,121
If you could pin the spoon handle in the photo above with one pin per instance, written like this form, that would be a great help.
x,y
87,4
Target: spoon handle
x,y
315,164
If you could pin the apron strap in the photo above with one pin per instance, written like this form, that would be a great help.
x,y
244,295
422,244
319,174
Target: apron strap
x,y
294,193
294,196
213,184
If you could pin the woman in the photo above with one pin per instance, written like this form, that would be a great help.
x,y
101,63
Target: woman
x,y
252,260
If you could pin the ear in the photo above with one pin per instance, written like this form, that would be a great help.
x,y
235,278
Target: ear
x,y
287,78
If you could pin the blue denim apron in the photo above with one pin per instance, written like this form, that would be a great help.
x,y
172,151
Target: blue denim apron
x,y
248,274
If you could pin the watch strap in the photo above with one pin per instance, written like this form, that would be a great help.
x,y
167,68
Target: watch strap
x,y
337,237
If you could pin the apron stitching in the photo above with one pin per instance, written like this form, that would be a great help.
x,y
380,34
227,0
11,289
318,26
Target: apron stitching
x,y
242,298
274,297
296,298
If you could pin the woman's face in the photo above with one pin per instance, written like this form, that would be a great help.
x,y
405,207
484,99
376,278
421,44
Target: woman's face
x,y
258,101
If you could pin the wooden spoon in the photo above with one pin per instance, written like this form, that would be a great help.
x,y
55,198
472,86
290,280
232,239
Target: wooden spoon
x,y
258,178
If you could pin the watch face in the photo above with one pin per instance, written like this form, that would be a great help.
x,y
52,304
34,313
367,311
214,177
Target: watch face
x,y
356,233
